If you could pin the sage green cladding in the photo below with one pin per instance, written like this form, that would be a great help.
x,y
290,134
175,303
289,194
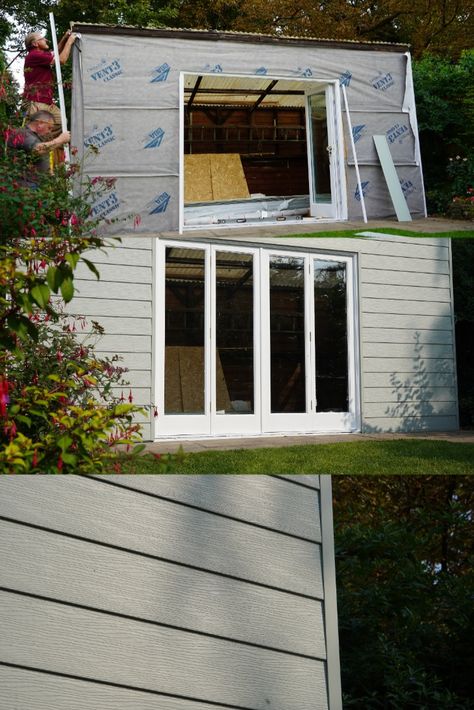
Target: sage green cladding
x,y
177,592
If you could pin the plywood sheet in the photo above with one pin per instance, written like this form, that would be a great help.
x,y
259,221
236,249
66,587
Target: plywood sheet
x,y
227,176
214,176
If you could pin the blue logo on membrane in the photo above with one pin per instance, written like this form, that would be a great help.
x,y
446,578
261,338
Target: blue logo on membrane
x,y
106,70
99,137
159,203
365,190
345,78
358,132
398,132
154,138
214,68
407,186
382,82
261,70
104,207
160,73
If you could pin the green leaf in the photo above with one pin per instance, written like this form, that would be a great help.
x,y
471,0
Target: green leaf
x,y
91,267
64,442
72,260
67,289
41,294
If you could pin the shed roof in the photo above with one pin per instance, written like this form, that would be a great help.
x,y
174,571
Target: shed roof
x,y
249,37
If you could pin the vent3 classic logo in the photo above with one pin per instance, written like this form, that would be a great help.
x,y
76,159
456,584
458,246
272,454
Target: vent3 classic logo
x,y
358,132
98,137
366,188
106,206
397,133
382,81
106,70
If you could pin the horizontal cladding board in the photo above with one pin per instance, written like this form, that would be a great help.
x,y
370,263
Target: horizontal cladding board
x,y
418,408
56,637
408,322
400,367
405,264
137,361
137,378
387,306
270,502
124,326
403,247
49,565
304,479
405,293
407,336
168,530
103,307
404,278
435,249
411,393
373,380
418,353
124,344
114,272
111,290
408,424
120,254
23,690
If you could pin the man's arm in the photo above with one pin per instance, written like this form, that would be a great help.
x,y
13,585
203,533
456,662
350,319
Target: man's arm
x,y
46,146
65,46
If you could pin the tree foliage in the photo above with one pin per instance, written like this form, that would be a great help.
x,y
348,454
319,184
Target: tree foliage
x,y
405,583
444,27
444,92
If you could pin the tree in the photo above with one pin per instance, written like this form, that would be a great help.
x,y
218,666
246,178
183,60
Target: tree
x,y
405,583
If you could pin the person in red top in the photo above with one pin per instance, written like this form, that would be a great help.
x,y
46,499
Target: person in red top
x,y
38,93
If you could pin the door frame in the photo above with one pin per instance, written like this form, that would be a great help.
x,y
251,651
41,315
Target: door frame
x,y
334,116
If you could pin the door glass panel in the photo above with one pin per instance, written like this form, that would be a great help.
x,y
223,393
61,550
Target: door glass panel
x,y
332,368
234,333
184,331
287,335
321,182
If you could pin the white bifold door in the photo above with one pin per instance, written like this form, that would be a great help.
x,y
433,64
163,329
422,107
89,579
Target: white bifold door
x,y
253,341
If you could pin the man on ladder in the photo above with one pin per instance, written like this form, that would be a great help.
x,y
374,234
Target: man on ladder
x,y
39,78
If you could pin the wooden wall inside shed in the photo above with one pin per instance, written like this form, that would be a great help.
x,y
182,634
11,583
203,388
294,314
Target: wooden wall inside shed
x,y
177,592
271,143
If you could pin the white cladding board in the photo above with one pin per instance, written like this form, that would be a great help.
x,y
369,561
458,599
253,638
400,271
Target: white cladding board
x,y
405,314
178,592
126,104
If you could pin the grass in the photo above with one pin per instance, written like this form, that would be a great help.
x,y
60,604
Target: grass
x,y
464,234
402,456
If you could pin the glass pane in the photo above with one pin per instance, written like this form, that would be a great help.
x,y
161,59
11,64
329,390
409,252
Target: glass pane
x,y
184,331
287,337
234,333
330,303
319,146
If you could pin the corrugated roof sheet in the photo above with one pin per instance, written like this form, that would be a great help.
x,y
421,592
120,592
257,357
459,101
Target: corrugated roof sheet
x,y
193,33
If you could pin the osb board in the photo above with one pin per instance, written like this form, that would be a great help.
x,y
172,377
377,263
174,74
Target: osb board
x,y
214,176
184,381
197,178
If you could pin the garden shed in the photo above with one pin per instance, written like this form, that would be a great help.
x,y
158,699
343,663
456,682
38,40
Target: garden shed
x,y
170,592
232,316
205,128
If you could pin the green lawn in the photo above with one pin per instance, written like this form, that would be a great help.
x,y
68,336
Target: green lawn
x,y
462,234
402,456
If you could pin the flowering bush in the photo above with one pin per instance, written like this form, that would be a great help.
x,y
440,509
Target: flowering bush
x,y
58,413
